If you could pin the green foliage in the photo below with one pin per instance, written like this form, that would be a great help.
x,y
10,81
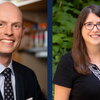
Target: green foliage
x,y
63,21
63,25
61,44
97,2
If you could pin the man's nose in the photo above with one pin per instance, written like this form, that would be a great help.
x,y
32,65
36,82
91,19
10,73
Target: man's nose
x,y
9,30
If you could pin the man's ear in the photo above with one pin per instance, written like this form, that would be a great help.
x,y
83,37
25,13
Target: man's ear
x,y
23,31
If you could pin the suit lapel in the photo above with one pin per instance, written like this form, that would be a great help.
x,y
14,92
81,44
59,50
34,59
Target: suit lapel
x,y
1,98
19,83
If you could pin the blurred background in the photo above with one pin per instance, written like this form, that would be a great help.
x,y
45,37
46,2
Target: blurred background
x,y
33,49
65,13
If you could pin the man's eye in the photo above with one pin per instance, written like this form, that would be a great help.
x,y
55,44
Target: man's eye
x,y
16,26
1,25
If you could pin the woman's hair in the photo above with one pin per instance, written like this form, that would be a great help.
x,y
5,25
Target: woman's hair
x,y
79,49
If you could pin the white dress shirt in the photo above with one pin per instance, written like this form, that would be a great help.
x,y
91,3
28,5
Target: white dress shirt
x,y
2,68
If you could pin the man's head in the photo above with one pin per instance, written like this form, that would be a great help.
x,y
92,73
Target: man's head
x,y
11,28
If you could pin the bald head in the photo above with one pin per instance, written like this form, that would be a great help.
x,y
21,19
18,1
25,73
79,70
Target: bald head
x,y
6,4
10,7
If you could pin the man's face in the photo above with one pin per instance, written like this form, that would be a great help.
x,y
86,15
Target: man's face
x,y
11,30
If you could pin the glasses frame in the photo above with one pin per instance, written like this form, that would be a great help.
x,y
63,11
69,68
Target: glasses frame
x,y
92,27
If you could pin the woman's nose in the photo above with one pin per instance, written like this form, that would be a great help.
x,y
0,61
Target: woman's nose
x,y
95,28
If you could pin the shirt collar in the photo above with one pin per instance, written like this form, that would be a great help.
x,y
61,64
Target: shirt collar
x,y
2,67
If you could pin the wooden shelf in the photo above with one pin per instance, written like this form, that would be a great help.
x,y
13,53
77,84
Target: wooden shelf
x,y
23,3
39,52
39,6
30,5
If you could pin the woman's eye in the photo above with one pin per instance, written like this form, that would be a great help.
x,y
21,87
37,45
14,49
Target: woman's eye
x,y
89,24
98,24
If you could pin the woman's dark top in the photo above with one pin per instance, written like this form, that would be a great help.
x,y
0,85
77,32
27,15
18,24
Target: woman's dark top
x,y
83,87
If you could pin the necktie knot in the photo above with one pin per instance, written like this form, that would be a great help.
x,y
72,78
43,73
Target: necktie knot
x,y
7,72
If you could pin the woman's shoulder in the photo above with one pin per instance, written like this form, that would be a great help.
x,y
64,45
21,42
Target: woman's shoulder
x,y
64,73
67,59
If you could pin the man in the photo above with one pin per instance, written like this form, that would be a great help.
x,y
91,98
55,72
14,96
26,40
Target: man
x,y
23,84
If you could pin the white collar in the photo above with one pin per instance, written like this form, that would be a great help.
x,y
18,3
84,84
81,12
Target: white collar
x,y
2,67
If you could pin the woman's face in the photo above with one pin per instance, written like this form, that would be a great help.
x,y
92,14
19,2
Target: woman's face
x,y
91,30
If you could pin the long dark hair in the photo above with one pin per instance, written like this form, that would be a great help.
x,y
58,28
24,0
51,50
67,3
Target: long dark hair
x,y
79,49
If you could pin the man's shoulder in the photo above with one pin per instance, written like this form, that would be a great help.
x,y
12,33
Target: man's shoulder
x,y
20,68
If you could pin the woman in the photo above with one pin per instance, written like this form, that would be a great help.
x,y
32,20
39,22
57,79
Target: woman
x,y
78,73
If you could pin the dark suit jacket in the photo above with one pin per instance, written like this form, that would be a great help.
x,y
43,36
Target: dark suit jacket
x,y
26,83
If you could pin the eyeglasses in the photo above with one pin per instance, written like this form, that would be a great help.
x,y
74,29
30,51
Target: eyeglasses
x,y
90,26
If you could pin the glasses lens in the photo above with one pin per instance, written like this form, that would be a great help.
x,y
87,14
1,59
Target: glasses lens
x,y
98,26
89,26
